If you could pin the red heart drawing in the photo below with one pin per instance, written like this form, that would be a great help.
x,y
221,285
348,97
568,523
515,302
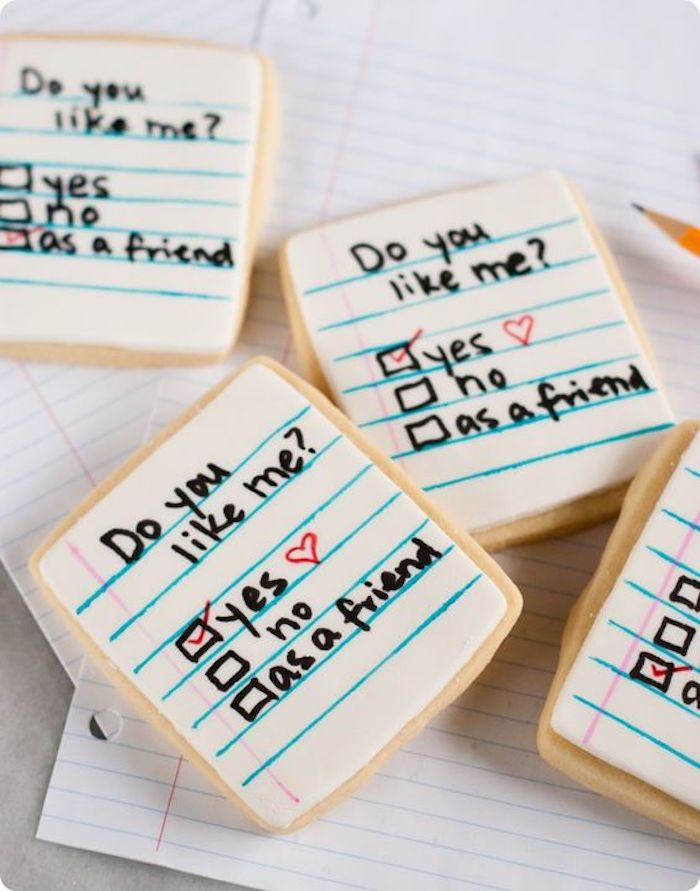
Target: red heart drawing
x,y
520,329
305,551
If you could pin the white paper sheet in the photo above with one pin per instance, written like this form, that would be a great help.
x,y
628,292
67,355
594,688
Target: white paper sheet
x,y
382,101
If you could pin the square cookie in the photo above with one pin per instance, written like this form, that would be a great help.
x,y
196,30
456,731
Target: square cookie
x,y
484,340
622,714
277,597
129,197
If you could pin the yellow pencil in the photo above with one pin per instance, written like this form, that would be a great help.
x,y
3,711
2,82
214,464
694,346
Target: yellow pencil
x,y
684,234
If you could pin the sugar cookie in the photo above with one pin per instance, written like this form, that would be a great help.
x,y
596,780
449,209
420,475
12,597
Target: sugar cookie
x,y
129,197
277,597
621,713
484,339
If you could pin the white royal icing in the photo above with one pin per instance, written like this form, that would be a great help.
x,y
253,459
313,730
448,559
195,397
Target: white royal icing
x,y
55,285
394,359
632,696
332,506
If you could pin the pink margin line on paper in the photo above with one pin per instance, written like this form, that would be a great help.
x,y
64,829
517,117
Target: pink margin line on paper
x,y
661,593
169,803
325,206
54,418
89,568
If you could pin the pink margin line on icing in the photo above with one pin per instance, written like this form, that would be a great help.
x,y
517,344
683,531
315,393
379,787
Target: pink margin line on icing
x,y
661,592
85,563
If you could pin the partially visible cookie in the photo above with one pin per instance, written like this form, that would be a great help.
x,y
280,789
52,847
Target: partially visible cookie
x,y
275,595
130,196
484,339
623,712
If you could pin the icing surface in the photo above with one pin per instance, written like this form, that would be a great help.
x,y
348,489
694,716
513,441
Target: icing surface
x,y
112,148
478,339
264,654
632,696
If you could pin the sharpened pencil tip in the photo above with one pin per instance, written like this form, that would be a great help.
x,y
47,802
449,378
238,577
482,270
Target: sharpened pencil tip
x,y
637,207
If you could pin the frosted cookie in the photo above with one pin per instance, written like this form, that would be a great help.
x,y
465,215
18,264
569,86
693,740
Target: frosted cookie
x,y
129,197
484,339
279,599
622,714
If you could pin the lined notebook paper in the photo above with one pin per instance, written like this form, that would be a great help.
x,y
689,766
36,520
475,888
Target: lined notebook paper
x,y
125,193
382,102
62,430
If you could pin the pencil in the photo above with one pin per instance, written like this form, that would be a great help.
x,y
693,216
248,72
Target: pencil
x,y
684,234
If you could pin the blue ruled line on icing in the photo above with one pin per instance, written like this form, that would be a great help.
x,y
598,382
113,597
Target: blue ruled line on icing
x,y
673,560
115,137
633,727
535,307
667,603
338,648
188,513
435,369
113,289
640,683
360,579
214,600
460,440
650,643
125,168
115,635
692,472
680,519
189,264
276,600
426,623
483,243
452,294
581,447
534,380
166,233
123,100
126,199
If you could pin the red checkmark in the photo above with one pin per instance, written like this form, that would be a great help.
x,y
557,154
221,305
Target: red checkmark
x,y
205,618
659,672
401,353
12,237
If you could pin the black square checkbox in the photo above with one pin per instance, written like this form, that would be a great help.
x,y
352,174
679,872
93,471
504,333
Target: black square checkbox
x,y
252,699
16,176
418,394
429,431
674,636
653,671
399,358
14,239
687,592
15,210
197,639
227,669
